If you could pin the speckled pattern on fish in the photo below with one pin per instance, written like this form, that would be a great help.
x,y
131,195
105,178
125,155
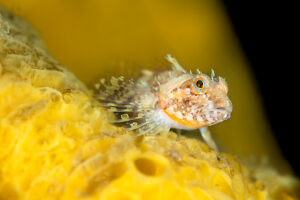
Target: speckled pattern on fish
x,y
161,100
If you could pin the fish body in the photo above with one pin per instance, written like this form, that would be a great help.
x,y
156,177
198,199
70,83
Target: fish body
x,y
161,100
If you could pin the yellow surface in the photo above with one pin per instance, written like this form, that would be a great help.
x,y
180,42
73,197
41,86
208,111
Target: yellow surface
x,y
102,38
56,142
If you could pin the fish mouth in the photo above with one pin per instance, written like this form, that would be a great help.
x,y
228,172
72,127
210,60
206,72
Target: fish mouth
x,y
219,114
228,110
227,107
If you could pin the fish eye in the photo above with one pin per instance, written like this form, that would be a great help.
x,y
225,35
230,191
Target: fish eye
x,y
199,84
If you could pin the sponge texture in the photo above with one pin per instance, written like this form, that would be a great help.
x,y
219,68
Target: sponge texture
x,y
56,142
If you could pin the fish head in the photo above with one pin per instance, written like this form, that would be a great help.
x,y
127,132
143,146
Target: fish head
x,y
195,100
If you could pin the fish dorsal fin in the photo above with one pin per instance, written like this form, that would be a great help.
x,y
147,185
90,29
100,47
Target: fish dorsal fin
x,y
174,63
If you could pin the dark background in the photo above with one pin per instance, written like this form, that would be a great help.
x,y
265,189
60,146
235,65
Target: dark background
x,y
267,33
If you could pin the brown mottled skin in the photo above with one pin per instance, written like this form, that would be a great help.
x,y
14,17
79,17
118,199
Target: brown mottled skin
x,y
176,95
161,100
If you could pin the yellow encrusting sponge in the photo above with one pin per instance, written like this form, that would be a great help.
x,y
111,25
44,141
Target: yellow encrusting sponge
x,y
56,143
